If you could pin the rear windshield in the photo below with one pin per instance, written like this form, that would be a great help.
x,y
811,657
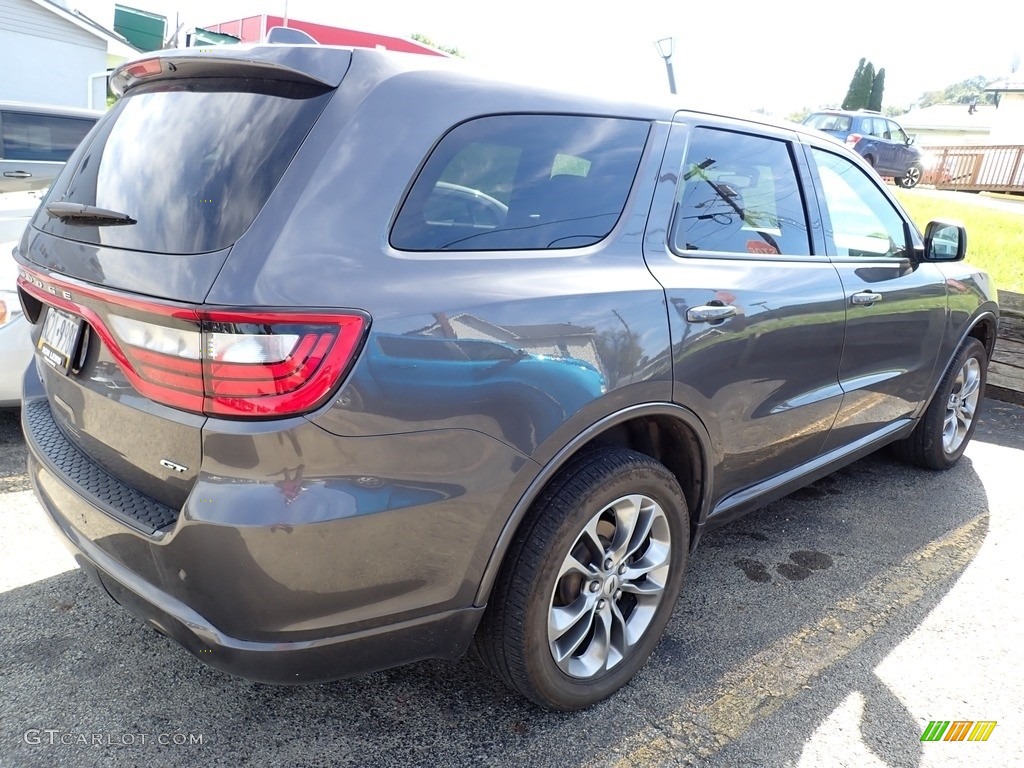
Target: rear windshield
x,y
192,161
829,122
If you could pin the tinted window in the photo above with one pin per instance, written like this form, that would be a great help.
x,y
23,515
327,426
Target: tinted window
x,y
193,161
863,221
739,194
42,137
522,182
839,123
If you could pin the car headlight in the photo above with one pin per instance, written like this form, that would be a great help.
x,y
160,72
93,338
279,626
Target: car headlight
x,y
10,307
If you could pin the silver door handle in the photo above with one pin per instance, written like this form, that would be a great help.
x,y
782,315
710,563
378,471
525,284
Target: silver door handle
x,y
17,174
709,313
865,297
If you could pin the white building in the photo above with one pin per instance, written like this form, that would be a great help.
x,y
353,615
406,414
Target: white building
x,y
51,53
948,124
1008,125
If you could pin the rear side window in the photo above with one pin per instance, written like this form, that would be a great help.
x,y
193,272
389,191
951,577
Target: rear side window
x,y
875,126
739,194
515,182
192,161
42,137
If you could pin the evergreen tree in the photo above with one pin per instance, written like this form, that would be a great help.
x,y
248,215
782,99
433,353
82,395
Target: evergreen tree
x,y
866,87
867,79
854,85
877,88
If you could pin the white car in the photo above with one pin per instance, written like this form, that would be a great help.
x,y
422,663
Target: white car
x,y
35,142
15,345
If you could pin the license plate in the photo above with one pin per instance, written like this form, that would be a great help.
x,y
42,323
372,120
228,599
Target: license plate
x,y
59,338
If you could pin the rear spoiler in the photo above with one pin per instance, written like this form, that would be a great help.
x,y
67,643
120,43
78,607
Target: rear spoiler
x,y
309,65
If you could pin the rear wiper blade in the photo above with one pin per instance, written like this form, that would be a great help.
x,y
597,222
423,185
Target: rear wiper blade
x,y
79,213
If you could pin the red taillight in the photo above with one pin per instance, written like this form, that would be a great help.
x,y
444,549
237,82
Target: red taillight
x,y
852,139
268,364
233,363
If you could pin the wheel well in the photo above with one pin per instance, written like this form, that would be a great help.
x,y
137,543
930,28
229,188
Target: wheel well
x,y
669,441
985,332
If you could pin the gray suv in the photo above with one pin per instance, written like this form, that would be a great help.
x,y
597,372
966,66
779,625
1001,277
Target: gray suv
x,y
346,359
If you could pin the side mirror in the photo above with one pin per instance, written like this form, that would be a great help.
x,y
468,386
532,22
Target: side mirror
x,y
910,140
945,241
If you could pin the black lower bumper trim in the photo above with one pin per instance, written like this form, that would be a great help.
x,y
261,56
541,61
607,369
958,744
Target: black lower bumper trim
x,y
88,479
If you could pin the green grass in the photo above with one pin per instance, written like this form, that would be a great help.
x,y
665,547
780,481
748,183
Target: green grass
x,y
995,238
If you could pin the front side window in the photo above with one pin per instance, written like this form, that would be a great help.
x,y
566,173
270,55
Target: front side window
x,y
739,194
42,137
863,222
897,133
512,182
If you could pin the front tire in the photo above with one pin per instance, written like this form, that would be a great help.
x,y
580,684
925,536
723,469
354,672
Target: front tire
x,y
911,178
940,438
590,581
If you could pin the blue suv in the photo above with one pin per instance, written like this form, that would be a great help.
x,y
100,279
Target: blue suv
x,y
878,139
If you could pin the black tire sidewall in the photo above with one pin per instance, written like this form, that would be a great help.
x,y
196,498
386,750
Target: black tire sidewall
x,y
557,689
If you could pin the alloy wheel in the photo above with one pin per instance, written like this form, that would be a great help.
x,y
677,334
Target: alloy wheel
x,y
962,405
609,586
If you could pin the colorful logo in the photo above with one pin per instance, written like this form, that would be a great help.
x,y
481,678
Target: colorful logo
x,y
958,730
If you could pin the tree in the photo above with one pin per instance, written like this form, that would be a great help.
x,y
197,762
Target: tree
x,y
800,115
427,41
866,87
964,92
877,87
851,92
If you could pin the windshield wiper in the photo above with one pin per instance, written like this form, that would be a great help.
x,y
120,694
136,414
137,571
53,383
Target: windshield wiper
x,y
78,213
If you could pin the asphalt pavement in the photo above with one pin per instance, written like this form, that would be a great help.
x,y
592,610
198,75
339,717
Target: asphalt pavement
x,y
827,629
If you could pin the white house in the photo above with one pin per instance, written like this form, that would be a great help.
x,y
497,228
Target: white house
x,y
942,124
1008,126
51,53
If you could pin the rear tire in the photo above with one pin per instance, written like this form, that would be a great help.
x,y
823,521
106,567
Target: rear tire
x,y
940,438
589,582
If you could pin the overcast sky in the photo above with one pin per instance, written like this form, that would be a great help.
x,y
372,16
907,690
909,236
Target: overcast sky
x,y
778,55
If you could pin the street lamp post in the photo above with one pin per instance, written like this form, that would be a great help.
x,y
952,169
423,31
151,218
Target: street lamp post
x,y
666,47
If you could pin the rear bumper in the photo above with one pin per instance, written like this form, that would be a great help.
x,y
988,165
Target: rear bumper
x,y
442,635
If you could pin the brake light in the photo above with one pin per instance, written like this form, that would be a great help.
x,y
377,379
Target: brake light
x,y
144,68
223,362
238,363
852,139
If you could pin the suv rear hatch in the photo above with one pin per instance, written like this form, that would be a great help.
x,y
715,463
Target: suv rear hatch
x,y
123,251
